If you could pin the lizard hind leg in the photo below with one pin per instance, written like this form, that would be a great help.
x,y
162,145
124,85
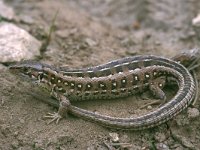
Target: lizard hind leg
x,y
156,87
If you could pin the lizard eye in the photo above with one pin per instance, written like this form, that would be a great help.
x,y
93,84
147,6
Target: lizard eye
x,y
25,70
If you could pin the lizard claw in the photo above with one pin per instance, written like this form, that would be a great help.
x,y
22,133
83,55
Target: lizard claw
x,y
54,117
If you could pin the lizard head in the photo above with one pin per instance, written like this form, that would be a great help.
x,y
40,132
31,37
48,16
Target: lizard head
x,y
189,58
31,69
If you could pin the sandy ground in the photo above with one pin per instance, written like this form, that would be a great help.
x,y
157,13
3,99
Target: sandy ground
x,y
88,33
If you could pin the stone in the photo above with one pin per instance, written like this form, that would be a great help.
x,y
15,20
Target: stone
x,y
114,137
17,44
193,113
196,21
6,11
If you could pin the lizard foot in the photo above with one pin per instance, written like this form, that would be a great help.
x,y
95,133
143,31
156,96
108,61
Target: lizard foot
x,y
156,102
54,117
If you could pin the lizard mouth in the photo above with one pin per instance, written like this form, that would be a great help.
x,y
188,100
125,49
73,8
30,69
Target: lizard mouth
x,y
24,72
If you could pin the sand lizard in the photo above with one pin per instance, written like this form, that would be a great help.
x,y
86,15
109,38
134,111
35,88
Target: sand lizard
x,y
119,78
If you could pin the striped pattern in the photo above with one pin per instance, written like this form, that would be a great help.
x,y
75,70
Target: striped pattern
x,y
119,78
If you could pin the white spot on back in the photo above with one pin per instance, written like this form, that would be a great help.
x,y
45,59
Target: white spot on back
x,y
101,85
147,75
60,89
66,83
160,85
123,81
79,85
114,84
136,78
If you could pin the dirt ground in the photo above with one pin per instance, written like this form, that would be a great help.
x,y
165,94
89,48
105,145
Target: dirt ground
x,y
88,33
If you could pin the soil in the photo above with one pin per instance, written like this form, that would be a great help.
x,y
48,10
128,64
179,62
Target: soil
x,y
88,33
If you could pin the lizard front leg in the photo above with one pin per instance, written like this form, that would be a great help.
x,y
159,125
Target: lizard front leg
x,y
64,104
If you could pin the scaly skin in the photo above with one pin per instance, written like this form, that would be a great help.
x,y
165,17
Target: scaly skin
x,y
119,78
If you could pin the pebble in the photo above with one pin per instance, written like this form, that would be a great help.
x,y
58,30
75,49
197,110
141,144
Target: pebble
x,y
196,25
196,21
149,107
2,67
160,137
193,113
182,120
179,148
15,144
64,139
162,146
5,130
90,42
66,32
38,144
114,137
17,44
6,11
187,143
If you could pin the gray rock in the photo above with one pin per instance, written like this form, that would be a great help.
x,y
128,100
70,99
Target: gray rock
x,y
160,137
187,143
114,137
6,11
196,21
162,146
16,44
90,42
193,113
